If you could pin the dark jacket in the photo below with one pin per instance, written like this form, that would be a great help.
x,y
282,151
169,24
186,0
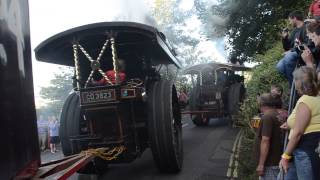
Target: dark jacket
x,y
297,33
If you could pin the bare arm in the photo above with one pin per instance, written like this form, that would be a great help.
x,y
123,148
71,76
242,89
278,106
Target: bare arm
x,y
303,118
264,149
307,57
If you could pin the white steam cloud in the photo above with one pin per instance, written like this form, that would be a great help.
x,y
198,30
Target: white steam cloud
x,y
134,11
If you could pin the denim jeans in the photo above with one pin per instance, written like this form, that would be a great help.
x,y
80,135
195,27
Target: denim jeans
x,y
287,64
301,168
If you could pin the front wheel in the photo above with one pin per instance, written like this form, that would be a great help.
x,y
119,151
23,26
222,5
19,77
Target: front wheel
x,y
164,125
70,126
70,122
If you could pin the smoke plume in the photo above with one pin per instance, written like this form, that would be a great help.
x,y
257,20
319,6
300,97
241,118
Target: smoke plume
x,y
134,11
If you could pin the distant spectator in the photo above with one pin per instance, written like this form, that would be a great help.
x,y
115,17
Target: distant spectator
x,y
42,132
298,35
54,133
277,92
314,9
183,98
269,138
304,124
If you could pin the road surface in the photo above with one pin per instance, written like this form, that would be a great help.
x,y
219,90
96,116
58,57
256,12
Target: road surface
x,y
207,153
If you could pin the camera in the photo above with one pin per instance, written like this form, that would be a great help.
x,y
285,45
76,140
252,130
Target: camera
x,y
299,48
285,30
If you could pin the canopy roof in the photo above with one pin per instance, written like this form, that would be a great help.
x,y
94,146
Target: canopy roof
x,y
213,66
128,36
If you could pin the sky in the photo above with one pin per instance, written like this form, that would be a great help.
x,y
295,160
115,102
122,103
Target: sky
x,y
48,17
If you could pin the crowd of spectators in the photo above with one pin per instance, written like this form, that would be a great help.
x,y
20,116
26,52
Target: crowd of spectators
x,y
299,158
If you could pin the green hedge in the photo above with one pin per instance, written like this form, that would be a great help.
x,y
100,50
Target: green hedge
x,y
262,77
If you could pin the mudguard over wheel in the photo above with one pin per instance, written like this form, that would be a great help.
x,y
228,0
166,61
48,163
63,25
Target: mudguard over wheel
x,y
69,122
164,125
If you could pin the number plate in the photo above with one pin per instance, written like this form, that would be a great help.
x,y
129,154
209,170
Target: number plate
x,y
98,96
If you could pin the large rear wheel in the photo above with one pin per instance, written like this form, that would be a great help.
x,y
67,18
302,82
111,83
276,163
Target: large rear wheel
x,y
165,129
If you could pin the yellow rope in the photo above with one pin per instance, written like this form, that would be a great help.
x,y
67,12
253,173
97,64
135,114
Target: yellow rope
x,y
101,153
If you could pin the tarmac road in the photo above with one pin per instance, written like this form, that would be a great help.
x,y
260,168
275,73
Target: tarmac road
x,y
206,156
207,153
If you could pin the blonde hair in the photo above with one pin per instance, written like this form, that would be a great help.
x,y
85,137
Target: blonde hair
x,y
306,79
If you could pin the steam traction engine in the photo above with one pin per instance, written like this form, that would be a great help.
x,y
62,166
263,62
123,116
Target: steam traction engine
x,y
105,110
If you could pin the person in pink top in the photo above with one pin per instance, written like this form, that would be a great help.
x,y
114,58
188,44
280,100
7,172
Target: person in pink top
x,y
183,98
314,10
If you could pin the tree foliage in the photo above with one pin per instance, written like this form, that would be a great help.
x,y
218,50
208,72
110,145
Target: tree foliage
x,y
57,91
172,21
251,26
163,11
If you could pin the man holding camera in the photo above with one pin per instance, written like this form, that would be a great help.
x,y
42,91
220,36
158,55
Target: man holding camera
x,y
311,57
298,35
